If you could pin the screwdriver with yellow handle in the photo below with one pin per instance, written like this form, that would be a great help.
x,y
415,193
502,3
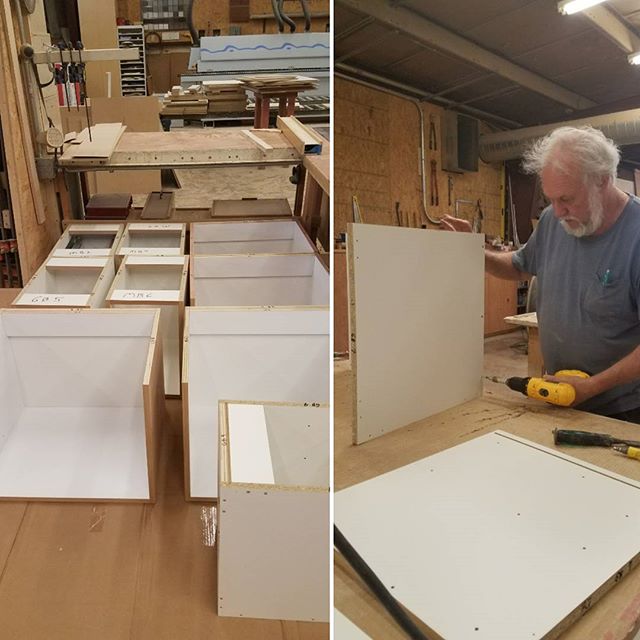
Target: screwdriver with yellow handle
x,y
627,450
560,393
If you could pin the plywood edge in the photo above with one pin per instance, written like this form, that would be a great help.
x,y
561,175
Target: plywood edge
x,y
224,454
154,408
298,221
185,409
352,334
192,283
102,285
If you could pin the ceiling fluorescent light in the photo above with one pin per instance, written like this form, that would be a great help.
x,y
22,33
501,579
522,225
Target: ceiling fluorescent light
x,y
634,58
567,7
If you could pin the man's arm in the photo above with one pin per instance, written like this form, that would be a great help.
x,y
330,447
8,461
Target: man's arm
x,y
625,370
497,263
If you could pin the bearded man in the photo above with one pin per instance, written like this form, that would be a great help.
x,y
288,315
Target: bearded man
x,y
585,253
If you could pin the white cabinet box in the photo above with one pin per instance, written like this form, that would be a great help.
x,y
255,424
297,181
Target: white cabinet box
x,y
152,239
249,236
68,282
273,516
256,280
88,241
275,354
82,404
159,282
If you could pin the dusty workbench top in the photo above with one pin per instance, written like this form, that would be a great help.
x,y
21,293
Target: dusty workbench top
x,y
615,617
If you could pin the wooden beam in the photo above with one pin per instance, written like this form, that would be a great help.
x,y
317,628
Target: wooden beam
x,y
304,139
88,55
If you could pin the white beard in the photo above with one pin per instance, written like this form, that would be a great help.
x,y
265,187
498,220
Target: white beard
x,y
596,217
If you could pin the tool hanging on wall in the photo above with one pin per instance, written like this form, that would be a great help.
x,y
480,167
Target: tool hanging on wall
x,y
74,79
62,74
433,141
355,207
433,180
478,218
82,71
399,220
449,189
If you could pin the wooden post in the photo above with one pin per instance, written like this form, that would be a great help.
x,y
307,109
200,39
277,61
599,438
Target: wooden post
x,y
311,207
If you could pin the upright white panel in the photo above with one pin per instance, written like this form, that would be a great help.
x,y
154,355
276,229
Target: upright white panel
x,y
495,539
418,301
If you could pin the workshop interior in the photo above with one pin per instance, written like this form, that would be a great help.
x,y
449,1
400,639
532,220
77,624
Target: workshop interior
x,y
469,304
319,320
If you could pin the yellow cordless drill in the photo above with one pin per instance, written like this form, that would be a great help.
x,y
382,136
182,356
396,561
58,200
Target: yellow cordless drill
x,y
561,393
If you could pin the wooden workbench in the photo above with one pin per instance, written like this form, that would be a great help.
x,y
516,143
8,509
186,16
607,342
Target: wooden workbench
x,y
615,617
189,149
121,571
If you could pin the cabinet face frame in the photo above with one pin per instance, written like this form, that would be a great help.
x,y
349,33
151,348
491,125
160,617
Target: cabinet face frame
x,y
99,272
279,569
51,360
172,303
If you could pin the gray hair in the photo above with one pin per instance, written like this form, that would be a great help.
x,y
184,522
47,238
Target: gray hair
x,y
566,148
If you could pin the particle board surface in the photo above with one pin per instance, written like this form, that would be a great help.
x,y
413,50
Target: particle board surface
x,y
499,515
416,324
616,616
251,208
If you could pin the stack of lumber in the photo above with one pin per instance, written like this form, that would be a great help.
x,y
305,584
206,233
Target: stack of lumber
x,y
278,83
225,95
189,102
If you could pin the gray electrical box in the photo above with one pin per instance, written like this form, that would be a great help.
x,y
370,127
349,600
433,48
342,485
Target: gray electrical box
x,y
460,142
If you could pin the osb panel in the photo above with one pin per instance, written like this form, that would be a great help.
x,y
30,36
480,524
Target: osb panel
x,y
377,158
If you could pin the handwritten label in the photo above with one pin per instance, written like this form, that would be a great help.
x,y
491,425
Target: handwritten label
x,y
61,253
166,226
52,300
144,251
133,295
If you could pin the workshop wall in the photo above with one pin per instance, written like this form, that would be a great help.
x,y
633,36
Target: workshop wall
x,y
214,14
377,159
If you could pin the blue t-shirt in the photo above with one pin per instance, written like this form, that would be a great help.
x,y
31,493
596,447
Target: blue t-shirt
x,y
587,299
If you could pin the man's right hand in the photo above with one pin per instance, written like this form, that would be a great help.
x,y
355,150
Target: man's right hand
x,y
455,224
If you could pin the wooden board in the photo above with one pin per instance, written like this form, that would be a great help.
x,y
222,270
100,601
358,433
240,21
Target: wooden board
x,y
491,533
279,280
159,205
276,354
416,324
137,113
340,303
274,459
104,138
303,138
75,429
500,300
191,148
